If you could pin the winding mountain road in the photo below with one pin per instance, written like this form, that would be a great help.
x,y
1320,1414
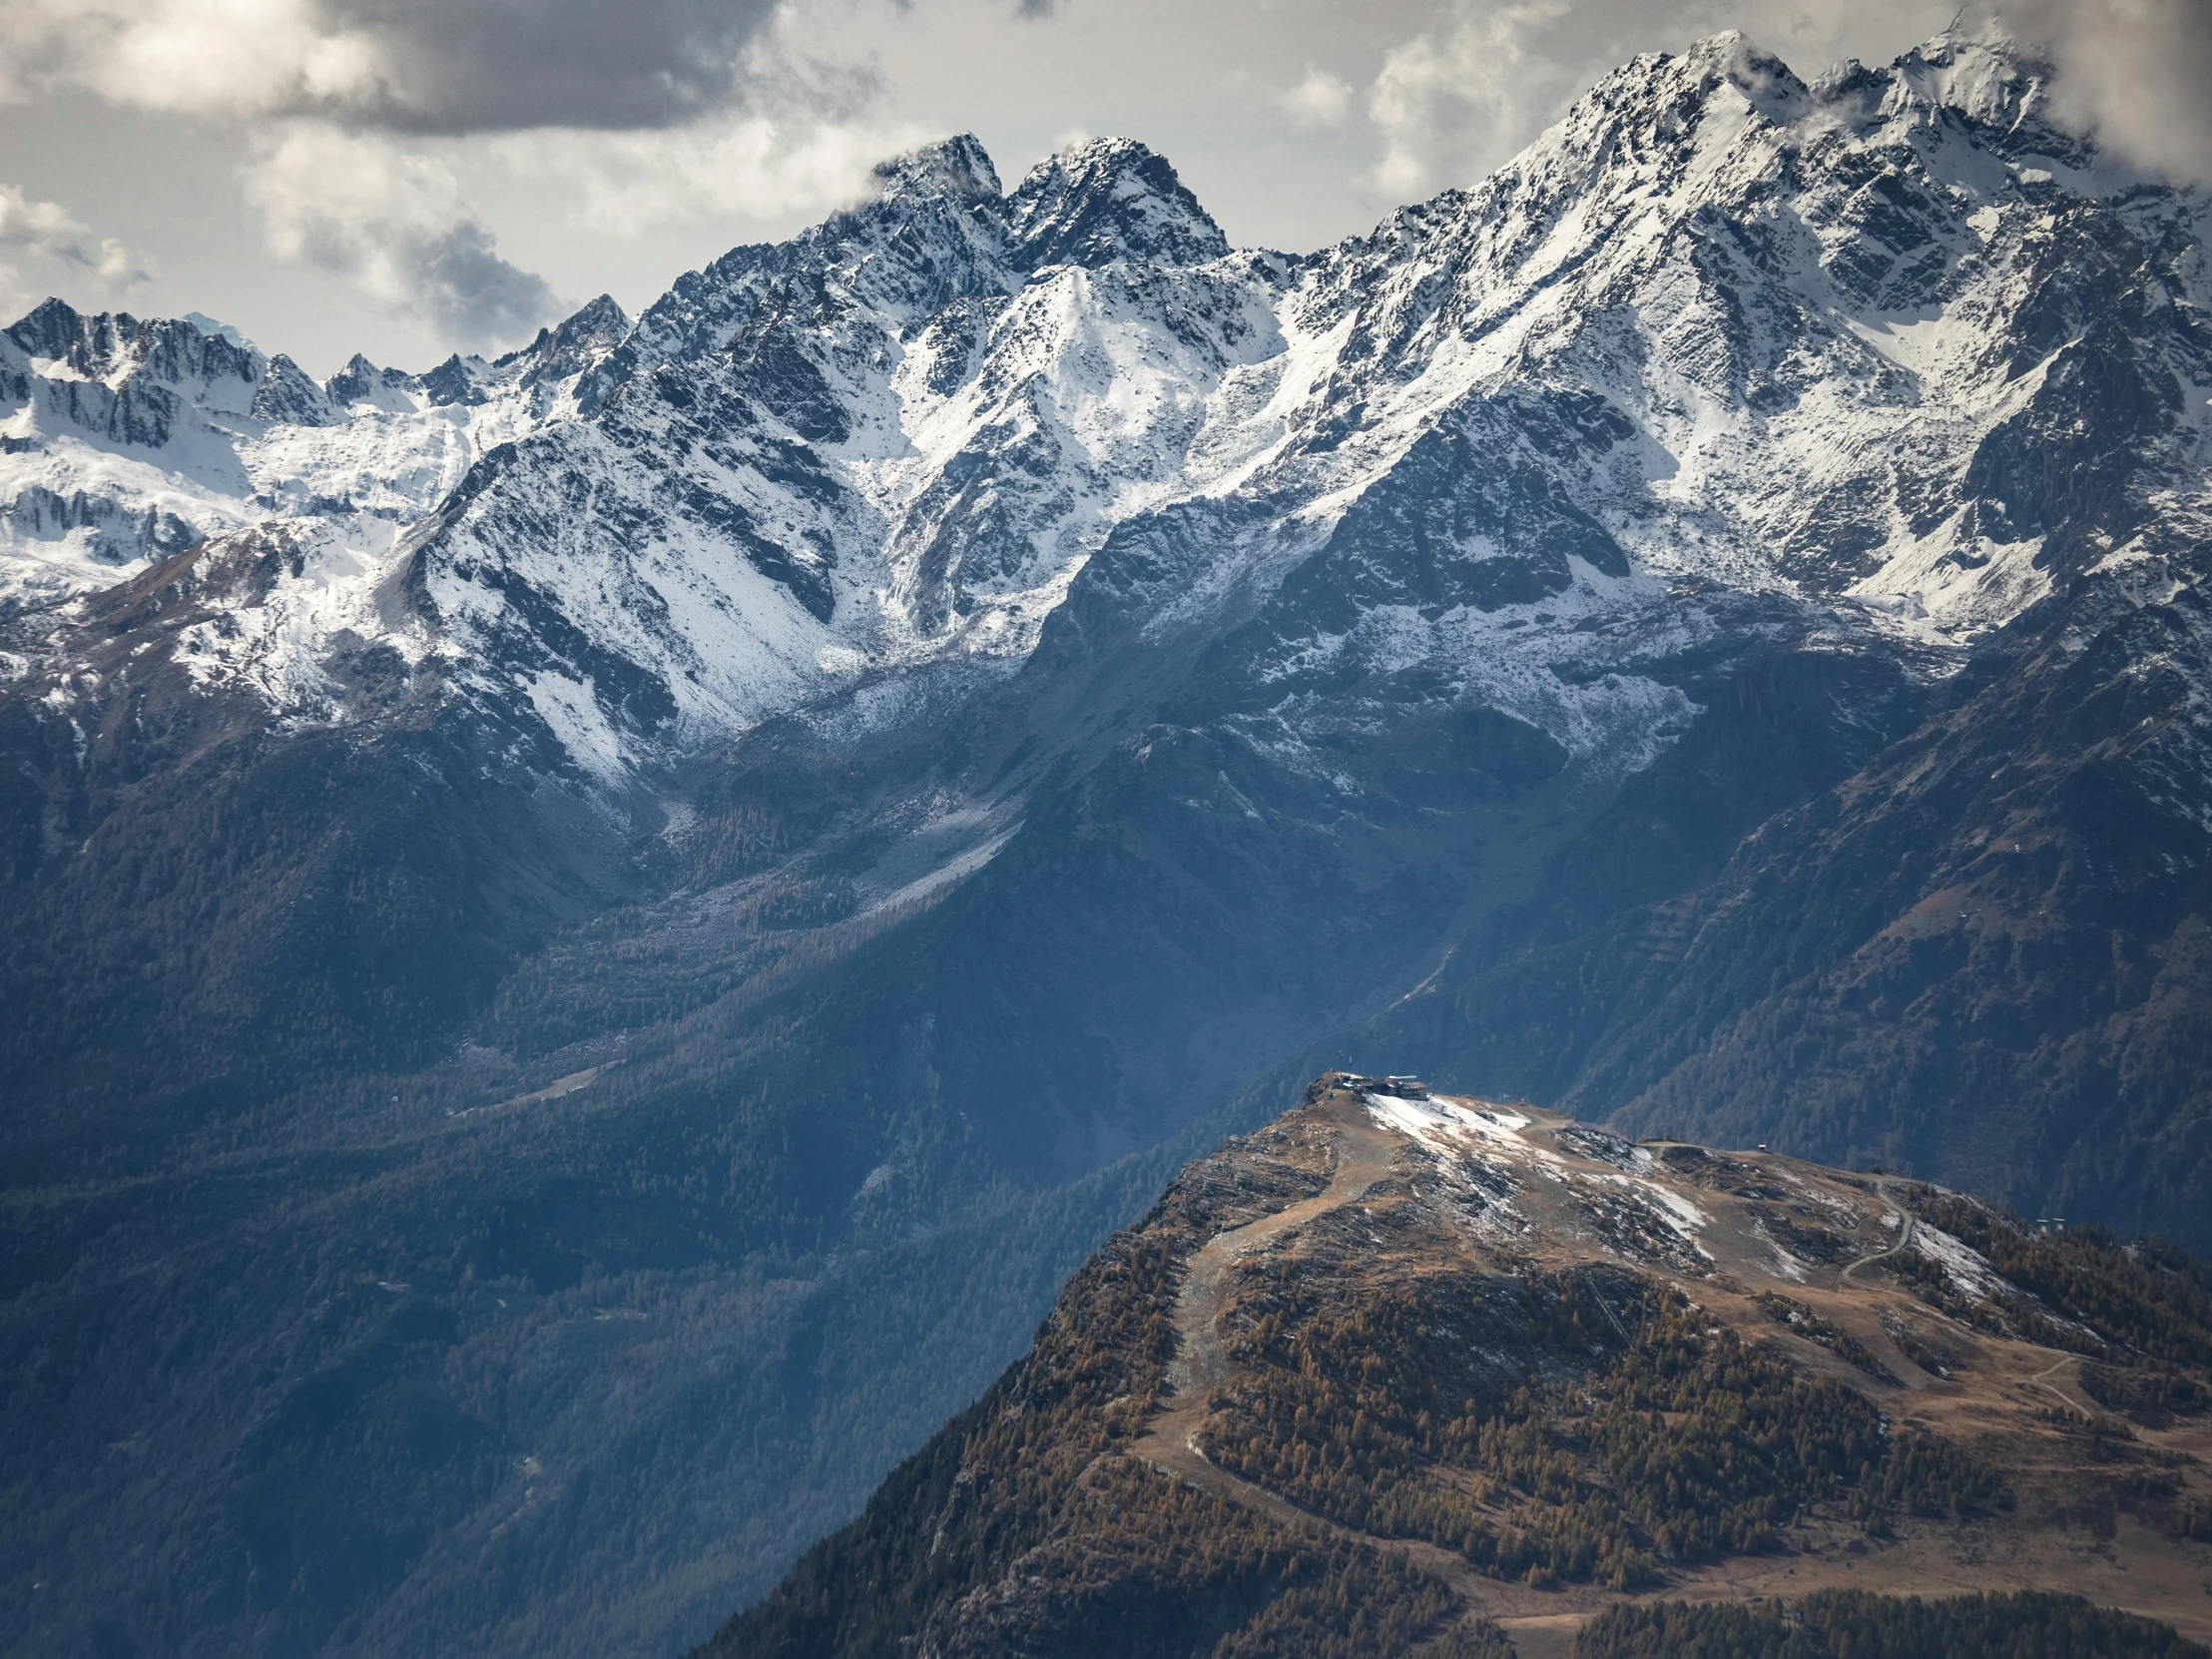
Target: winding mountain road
x,y
1904,1239
1365,1153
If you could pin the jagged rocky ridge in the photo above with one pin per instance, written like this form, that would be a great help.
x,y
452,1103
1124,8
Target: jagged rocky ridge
x,y
1405,1374
1937,363
1704,626
133,439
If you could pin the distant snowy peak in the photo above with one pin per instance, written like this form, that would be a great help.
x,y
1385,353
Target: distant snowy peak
x,y
957,169
1866,350
1094,203
289,396
578,344
362,383
124,439
1849,325
1107,200
1989,79
581,342
937,229
214,325
161,359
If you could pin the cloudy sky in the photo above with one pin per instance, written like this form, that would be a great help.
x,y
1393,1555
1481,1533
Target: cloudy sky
x,y
404,176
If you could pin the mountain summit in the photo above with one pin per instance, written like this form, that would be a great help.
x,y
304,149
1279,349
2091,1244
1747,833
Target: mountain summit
x,y
1405,1373
1110,199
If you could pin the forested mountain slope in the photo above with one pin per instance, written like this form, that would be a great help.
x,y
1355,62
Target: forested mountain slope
x,y
1406,1373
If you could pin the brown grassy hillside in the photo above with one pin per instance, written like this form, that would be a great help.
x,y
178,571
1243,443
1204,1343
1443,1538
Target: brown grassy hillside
x,y
1407,1374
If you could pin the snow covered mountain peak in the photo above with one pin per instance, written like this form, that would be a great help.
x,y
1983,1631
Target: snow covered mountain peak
x,y
158,360
1987,75
1718,330
362,382
124,440
581,342
1110,199
1095,202
959,168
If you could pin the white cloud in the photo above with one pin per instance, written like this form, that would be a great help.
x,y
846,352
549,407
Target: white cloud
x,y
189,57
48,228
735,166
2138,73
1457,99
442,66
396,223
655,111
1320,99
1469,91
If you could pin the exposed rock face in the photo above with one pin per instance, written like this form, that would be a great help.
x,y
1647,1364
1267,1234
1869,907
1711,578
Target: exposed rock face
x,y
1703,627
191,428
1884,345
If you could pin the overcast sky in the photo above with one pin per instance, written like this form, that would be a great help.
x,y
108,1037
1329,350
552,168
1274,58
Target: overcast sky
x,y
404,176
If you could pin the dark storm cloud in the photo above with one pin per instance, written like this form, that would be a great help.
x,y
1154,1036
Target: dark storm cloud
x,y
398,228
472,66
474,293
444,67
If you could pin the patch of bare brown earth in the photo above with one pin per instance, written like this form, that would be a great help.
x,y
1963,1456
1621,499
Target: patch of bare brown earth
x,y
2093,1512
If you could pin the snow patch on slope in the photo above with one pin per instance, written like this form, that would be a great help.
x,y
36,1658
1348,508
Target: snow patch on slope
x,y
1718,330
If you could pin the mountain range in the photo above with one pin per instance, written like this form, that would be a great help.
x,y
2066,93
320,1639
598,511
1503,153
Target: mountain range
x,y
590,936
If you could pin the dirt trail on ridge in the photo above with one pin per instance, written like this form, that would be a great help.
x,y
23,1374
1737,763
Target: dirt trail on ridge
x,y
1366,1154
1904,1238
